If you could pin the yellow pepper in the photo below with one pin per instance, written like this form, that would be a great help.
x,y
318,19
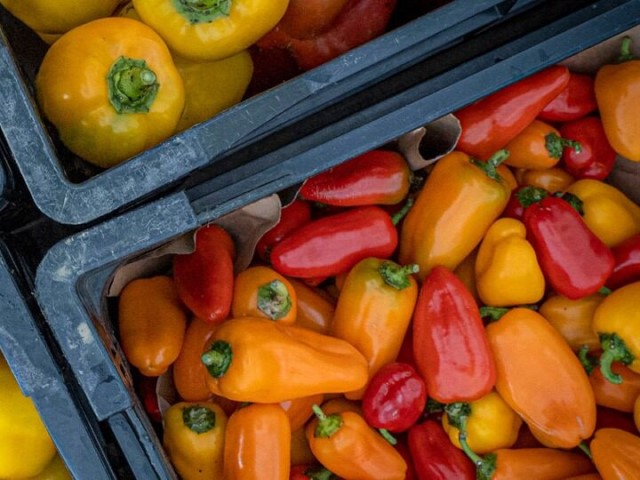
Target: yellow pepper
x,y
507,270
608,212
55,470
25,445
253,359
194,435
59,16
111,89
490,423
205,30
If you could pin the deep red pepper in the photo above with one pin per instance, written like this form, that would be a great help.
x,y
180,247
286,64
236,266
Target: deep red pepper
x,y
490,123
395,398
435,457
522,196
292,217
450,346
403,448
378,177
575,262
358,22
310,472
596,157
204,278
576,100
627,263
333,244
147,390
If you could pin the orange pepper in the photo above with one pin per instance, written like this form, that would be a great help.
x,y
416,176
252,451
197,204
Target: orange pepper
x,y
586,476
466,271
374,311
257,443
554,179
541,378
619,396
460,199
301,454
152,322
636,413
188,370
260,291
257,360
299,409
346,445
315,309
616,454
572,318
538,146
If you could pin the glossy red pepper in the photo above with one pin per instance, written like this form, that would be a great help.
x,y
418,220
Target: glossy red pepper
x,y
450,346
522,197
403,449
333,244
204,278
395,398
596,156
577,100
147,389
627,262
575,261
292,217
310,472
490,123
435,457
378,177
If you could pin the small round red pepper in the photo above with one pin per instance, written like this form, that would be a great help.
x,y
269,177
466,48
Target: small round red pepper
x,y
596,156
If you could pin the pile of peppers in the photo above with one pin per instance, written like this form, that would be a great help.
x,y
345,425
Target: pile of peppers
x,y
479,319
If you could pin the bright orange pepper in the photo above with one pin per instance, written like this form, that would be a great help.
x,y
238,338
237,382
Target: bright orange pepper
x,y
257,360
346,445
260,291
616,454
299,409
152,322
374,310
188,371
315,309
541,378
619,396
554,179
257,444
460,199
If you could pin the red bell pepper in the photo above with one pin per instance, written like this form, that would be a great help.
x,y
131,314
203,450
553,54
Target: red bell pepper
x,y
490,123
333,244
596,157
395,398
292,217
310,472
450,346
577,100
575,262
435,457
378,177
627,263
204,278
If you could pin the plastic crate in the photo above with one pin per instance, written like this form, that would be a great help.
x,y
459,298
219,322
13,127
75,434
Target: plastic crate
x,y
74,273
70,191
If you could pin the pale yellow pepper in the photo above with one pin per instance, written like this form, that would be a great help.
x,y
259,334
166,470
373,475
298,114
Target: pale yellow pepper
x,y
608,212
507,270
55,470
25,445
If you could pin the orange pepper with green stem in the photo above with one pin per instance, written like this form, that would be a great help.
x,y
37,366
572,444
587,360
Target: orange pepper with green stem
x,y
460,199
188,370
616,454
299,409
254,359
374,310
257,444
151,324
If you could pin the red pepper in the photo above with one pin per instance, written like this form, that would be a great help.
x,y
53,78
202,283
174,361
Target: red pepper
x,y
596,157
450,346
378,177
204,278
395,398
575,261
310,472
333,244
356,23
490,123
292,217
435,457
577,100
403,449
147,389
627,263
522,197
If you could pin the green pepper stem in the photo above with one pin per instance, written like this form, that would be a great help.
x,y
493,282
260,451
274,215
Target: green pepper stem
x,y
319,473
387,436
132,85
274,299
218,358
613,349
625,50
327,424
555,145
397,276
573,200
529,195
585,449
400,214
202,11
198,419
493,314
588,362
490,167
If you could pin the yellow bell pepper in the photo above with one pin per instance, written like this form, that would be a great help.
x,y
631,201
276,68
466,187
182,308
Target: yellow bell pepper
x,y
25,445
205,30
193,437
608,212
490,423
111,89
507,270
59,16
55,470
